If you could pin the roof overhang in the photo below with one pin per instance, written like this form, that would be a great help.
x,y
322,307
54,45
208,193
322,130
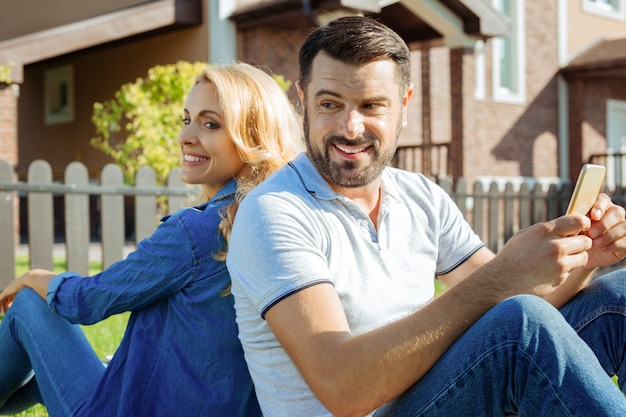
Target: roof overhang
x,y
111,27
605,59
452,22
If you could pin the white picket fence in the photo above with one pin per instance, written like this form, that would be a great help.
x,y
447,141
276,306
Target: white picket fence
x,y
76,190
495,211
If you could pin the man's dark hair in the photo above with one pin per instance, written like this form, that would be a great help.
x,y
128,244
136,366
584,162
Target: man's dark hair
x,y
356,40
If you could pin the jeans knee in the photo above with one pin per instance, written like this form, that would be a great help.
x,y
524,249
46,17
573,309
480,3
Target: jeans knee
x,y
526,317
537,329
522,308
28,303
611,286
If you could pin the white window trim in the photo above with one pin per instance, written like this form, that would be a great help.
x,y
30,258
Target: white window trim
x,y
601,10
615,167
500,95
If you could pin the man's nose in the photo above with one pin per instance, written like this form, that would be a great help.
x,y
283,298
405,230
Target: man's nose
x,y
353,124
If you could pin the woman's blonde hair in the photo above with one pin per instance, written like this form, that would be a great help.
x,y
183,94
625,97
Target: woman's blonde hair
x,y
260,121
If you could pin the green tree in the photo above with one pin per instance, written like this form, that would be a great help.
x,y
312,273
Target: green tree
x,y
140,124
5,72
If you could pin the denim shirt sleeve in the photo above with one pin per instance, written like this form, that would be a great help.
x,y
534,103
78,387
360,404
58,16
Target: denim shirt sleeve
x,y
179,253
163,264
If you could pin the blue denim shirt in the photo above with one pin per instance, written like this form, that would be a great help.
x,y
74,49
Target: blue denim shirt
x,y
180,355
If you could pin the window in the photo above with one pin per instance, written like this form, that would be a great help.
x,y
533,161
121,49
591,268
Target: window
x,y
615,144
509,58
613,9
59,95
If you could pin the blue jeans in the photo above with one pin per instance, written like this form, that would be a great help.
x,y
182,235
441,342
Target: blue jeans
x,y
525,358
32,338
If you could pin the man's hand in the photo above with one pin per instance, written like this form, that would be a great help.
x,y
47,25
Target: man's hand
x,y
539,258
608,231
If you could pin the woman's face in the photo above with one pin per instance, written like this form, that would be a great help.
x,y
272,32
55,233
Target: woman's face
x,y
209,156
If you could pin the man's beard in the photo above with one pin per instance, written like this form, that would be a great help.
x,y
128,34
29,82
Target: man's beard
x,y
347,173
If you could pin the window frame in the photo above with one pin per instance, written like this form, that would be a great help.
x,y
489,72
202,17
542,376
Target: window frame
x,y
517,65
597,8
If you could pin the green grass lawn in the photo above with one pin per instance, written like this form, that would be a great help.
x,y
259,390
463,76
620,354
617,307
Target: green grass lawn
x,y
104,336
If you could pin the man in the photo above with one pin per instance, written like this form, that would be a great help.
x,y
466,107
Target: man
x,y
332,263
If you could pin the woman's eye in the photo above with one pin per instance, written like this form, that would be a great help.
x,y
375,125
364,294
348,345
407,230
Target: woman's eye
x,y
186,120
211,125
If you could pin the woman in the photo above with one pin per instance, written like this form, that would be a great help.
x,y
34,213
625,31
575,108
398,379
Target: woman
x,y
180,355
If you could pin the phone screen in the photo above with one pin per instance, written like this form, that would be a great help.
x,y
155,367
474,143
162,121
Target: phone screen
x,y
587,188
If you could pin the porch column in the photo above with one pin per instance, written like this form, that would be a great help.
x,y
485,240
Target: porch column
x,y
461,110
8,138
426,111
575,125
222,32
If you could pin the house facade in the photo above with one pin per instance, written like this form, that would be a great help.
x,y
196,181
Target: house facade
x,y
504,89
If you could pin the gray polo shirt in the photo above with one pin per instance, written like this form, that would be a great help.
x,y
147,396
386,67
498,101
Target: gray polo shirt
x,y
293,231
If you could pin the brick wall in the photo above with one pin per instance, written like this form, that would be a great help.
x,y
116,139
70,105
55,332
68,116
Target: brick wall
x,y
493,138
8,137
275,49
504,139
8,123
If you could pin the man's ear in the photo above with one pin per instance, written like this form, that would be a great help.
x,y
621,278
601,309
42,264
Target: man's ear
x,y
405,103
300,92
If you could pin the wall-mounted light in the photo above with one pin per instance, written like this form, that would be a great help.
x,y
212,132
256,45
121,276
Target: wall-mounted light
x,y
59,95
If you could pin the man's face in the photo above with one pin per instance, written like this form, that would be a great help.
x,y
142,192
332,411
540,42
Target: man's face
x,y
353,116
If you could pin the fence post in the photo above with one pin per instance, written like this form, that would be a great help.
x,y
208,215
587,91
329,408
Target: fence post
x,y
145,205
564,196
509,211
175,202
554,202
525,204
7,227
77,220
539,204
479,210
112,217
493,216
40,217
461,196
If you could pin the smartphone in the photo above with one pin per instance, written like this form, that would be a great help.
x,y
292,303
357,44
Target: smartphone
x,y
587,188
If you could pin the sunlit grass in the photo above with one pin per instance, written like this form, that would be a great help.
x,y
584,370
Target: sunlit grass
x,y
104,336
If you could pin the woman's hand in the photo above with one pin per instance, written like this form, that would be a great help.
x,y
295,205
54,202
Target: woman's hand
x,y
8,294
37,279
